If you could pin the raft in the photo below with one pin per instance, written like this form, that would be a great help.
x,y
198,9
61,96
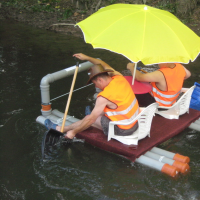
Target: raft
x,y
162,129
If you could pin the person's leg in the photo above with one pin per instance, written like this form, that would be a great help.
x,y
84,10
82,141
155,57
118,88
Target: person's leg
x,y
105,124
97,123
126,132
118,131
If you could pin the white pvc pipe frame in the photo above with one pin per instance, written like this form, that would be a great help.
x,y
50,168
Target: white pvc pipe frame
x,y
50,78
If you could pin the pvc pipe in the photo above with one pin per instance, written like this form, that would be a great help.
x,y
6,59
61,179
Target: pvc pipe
x,y
46,80
163,167
41,119
171,155
97,92
61,114
182,167
195,126
46,113
197,121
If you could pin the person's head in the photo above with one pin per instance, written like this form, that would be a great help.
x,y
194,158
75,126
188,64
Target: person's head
x,y
99,76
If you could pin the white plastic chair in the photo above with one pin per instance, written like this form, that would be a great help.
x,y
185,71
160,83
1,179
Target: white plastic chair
x,y
178,108
144,125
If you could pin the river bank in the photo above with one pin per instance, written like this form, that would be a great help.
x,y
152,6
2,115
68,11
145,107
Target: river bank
x,y
51,21
44,20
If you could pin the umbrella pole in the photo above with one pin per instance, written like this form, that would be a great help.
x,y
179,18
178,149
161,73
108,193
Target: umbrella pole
x,y
134,73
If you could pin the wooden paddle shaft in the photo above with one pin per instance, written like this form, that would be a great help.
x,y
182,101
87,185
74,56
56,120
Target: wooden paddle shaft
x,y
140,69
69,99
143,71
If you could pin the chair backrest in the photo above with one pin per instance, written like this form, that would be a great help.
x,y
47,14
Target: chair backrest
x,y
144,124
184,101
145,120
178,108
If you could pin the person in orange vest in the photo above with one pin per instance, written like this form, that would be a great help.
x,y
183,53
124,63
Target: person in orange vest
x,y
115,102
166,83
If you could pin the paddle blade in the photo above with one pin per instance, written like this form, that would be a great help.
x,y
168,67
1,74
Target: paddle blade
x,y
52,139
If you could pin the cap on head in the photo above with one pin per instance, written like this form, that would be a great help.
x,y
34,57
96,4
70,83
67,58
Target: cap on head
x,y
96,70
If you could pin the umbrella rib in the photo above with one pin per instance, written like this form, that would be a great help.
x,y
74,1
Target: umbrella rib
x,y
172,31
143,36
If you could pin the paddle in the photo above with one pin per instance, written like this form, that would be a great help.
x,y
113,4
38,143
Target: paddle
x,y
52,137
140,69
70,95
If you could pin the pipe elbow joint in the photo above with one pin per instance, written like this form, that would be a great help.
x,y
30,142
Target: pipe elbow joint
x,y
45,80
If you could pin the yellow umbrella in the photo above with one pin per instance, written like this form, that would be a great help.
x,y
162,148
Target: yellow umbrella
x,y
141,33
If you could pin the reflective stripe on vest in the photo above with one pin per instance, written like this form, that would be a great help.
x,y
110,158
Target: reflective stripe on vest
x,y
120,93
167,96
166,103
130,119
124,112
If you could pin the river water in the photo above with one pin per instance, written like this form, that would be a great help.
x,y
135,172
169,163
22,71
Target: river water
x,y
79,171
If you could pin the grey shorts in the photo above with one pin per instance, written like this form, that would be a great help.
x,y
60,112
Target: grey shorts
x,y
118,131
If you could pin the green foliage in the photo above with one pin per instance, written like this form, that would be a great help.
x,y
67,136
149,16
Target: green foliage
x,y
83,11
50,1
171,7
112,1
10,3
67,13
33,5
39,8
42,6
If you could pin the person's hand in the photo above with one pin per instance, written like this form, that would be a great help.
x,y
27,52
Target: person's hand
x,y
80,56
58,128
70,134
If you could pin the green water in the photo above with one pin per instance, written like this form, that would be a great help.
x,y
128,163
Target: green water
x,y
80,171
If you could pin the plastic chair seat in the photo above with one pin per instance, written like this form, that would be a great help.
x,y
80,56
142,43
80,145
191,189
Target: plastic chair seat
x,y
144,125
178,108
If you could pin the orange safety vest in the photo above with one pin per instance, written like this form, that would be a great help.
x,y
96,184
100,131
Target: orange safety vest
x,y
120,93
174,78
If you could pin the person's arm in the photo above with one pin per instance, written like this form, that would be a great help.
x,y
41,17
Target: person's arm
x,y
188,73
155,76
87,121
96,61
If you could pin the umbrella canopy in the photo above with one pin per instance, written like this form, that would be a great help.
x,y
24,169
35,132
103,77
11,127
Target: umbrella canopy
x,y
141,33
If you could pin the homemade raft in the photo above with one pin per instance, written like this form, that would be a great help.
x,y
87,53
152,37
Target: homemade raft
x,y
147,153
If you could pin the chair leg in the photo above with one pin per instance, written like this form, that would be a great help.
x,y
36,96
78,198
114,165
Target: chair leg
x,y
111,131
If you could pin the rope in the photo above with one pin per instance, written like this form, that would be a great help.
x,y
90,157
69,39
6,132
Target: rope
x,y
68,92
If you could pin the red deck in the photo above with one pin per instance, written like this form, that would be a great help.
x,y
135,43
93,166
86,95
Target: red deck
x,y
161,130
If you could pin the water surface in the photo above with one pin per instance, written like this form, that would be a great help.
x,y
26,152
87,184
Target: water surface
x,y
80,171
